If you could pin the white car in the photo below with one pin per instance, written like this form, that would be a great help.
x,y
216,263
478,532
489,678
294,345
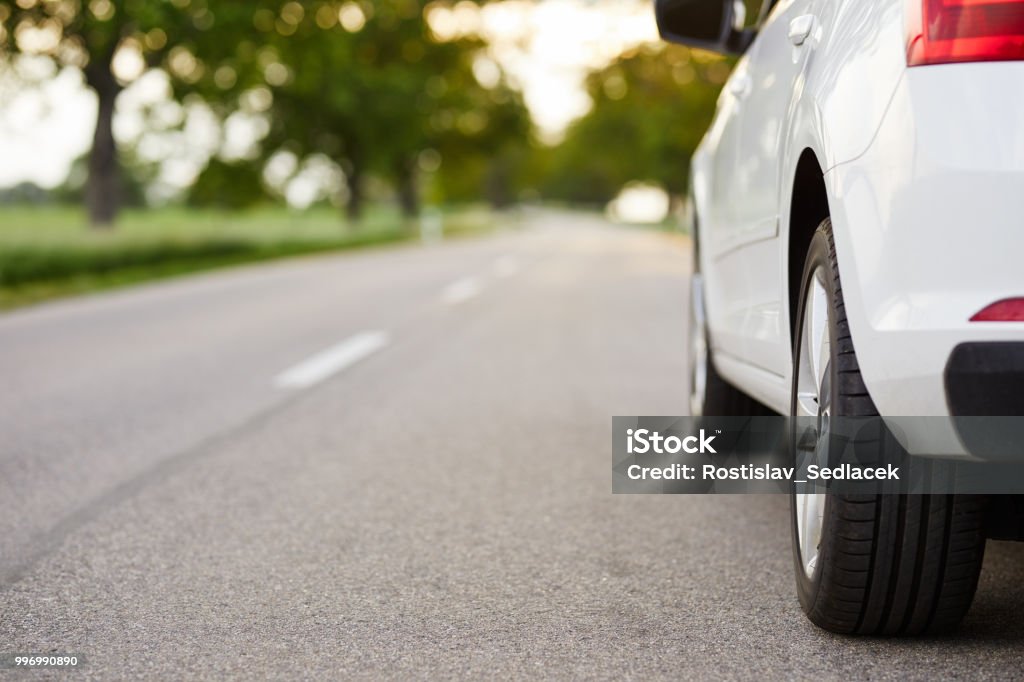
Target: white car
x,y
858,206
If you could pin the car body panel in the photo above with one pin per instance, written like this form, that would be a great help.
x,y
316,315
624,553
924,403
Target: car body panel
x,y
791,89
930,228
926,203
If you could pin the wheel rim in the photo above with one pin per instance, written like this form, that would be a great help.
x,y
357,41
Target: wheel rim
x,y
698,347
813,400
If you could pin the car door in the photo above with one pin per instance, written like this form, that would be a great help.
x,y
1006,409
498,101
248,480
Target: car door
x,y
723,140
718,223
776,62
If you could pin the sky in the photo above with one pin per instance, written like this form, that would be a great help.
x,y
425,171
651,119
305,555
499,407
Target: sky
x,y
545,46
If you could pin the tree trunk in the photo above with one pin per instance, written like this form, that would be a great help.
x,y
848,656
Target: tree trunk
x,y
103,192
408,196
354,207
497,182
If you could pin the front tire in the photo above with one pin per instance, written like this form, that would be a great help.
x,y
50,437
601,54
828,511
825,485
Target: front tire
x,y
869,564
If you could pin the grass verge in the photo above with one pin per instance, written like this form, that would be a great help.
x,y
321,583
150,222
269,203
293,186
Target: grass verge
x,y
46,252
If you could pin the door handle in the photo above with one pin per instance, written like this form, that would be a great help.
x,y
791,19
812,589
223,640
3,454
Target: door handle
x,y
800,28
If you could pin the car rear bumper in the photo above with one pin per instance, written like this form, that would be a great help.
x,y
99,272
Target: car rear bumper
x,y
929,228
986,379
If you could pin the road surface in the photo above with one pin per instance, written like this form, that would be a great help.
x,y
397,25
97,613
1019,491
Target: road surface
x,y
396,463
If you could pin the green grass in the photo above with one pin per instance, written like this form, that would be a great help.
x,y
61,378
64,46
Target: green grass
x,y
49,251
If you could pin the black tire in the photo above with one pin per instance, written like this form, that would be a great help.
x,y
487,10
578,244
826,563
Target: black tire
x,y
887,564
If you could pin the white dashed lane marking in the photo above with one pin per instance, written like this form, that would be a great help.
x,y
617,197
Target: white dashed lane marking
x,y
461,290
329,362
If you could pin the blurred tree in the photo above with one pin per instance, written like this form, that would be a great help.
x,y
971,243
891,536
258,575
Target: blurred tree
x,y
25,193
481,139
378,89
651,107
367,85
133,176
227,185
94,36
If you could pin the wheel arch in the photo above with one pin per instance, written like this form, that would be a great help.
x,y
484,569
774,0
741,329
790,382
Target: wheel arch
x,y
808,208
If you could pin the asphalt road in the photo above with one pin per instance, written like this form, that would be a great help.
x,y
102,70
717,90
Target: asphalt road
x,y
396,464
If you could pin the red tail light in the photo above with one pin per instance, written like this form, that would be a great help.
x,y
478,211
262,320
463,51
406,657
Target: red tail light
x,y
1007,310
945,31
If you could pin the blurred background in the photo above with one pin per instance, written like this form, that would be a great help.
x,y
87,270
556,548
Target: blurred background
x,y
142,138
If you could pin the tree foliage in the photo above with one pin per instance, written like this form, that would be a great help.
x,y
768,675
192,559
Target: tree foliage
x,y
650,110
90,36
364,84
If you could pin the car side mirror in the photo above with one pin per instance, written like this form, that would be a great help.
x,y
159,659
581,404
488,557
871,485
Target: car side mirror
x,y
716,25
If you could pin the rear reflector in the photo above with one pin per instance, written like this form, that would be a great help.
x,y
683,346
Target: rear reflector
x,y
1007,310
947,31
